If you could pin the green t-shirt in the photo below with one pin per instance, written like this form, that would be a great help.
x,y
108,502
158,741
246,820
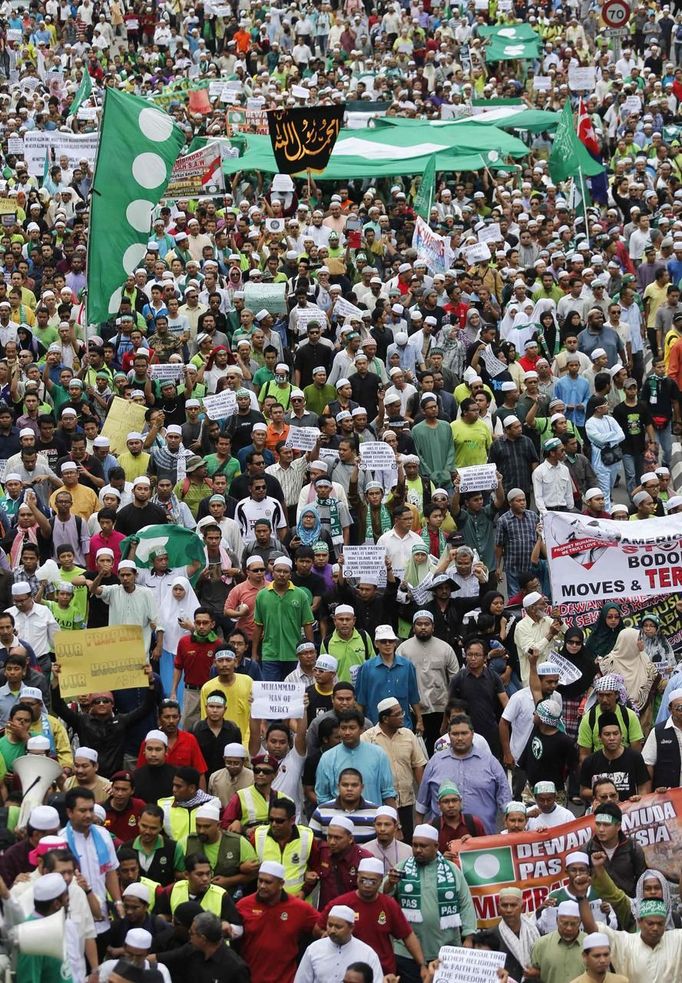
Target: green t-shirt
x,y
588,732
8,754
262,376
46,336
472,443
229,468
282,617
69,618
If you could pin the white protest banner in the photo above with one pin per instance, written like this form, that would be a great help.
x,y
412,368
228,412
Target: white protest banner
x,y
459,965
421,593
87,113
344,308
598,559
479,253
365,561
304,315
265,296
277,700
542,83
632,104
435,250
3,469
73,145
302,438
568,672
448,111
221,405
582,79
198,173
14,35
172,371
481,4
479,477
492,363
376,454
15,145
490,233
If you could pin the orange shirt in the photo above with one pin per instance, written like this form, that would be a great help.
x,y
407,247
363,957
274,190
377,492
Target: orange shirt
x,y
273,437
243,41
675,362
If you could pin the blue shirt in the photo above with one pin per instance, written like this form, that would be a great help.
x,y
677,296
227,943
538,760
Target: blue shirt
x,y
371,761
573,392
479,777
7,701
376,681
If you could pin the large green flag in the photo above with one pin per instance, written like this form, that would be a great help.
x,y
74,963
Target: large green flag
x,y
137,149
569,158
84,92
424,197
184,547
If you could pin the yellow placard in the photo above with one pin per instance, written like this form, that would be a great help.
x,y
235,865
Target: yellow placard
x,y
98,659
124,417
8,206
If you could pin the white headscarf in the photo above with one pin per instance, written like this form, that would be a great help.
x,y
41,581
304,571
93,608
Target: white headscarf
x,y
172,609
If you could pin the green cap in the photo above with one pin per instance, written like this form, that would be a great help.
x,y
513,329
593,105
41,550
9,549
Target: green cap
x,y
448,788
653,906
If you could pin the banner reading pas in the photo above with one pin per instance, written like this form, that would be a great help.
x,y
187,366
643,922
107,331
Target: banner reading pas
x,y
599,559
535,861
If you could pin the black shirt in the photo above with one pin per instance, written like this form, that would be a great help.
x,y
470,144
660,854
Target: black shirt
x,y
548,758
481,696
98,611
131,519
189,964
626,771
212,746
153,782
89,465
309,356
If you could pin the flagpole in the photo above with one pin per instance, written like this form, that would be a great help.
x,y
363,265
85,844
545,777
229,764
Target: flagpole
x,y
584,198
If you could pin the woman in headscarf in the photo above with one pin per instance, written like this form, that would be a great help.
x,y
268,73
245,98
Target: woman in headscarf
x,y
472,327
656,645
573,694
177,610
413,588
507,322
605,632
641,677
544,318
307,531
652,884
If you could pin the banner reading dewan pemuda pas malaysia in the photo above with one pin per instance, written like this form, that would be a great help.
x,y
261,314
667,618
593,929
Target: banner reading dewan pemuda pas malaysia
x,y
535,861
602,560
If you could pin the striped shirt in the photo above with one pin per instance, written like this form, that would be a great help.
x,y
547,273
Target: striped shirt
x,y
363,818
291,479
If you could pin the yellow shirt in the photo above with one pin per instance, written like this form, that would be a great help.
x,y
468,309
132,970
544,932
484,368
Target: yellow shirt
x,y
134,467
85,500
238,708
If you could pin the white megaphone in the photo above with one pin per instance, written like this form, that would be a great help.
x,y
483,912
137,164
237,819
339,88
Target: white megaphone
x,y
41,936
36,774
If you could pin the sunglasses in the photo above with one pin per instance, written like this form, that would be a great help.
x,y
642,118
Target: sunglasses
x,y
257,569
263,771
102,700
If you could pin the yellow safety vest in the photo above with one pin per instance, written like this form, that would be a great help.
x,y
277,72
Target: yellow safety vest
x,y
152,885
211,901
255,808
294,857
181,822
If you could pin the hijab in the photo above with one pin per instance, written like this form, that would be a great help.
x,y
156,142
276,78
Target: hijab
x,y
658,649
581,660
632,664
415,573
171,609
308,536
602,639
665,894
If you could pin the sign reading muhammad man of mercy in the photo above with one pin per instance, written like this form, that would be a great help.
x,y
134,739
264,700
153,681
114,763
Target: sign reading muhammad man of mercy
x,y
100,659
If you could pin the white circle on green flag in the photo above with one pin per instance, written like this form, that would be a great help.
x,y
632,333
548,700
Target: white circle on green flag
x,y
149,170
493,156
139,215
507,32
133,256
115,300
155,125
487,866
516,50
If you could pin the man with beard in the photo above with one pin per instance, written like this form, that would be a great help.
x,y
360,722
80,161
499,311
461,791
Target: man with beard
x,y
232,858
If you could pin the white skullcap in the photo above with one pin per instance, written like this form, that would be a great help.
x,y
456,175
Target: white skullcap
x,y
100,812
592,493
137,890
648,476
387,704
282,561
38,743
208,811
568,908
387,811
21,587
344,609
138,938
596,940
675,695
88,753
48,887
344,822
577,857
156,735
30,692
532,598
371,865
426,831
252,560
272,868
127,565
343,912
43,818
104,551
234,750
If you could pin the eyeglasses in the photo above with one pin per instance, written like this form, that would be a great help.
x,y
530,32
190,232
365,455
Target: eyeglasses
x,y
278,822
257,569
573,641
263,771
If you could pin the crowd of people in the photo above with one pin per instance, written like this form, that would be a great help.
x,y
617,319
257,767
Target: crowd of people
x,y
180,836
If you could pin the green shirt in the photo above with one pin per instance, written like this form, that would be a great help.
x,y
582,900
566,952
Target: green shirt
x,y
45,335
9,753
588,732
316,399
478,532
229,468
349,654
558,961
262,376
178,856
472,443
428,931
435,447
282,617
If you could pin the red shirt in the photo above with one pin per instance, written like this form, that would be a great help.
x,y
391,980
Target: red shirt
x,y
339,871
195,659
185,753
123,825
272,935
376,923
447,833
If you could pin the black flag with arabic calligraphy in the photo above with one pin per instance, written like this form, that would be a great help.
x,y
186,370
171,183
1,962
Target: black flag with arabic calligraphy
x,y
303,138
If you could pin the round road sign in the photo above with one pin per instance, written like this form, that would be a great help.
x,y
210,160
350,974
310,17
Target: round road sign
x,y
616,13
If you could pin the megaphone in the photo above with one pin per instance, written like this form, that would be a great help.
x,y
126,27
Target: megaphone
x,y
36,774
41,936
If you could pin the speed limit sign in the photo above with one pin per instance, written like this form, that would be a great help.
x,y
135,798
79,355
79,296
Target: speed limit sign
x,y
616,13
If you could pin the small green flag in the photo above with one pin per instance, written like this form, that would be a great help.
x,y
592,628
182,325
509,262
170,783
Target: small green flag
x,y
484,867
84,92
424,197
138,146
184,547
569,158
